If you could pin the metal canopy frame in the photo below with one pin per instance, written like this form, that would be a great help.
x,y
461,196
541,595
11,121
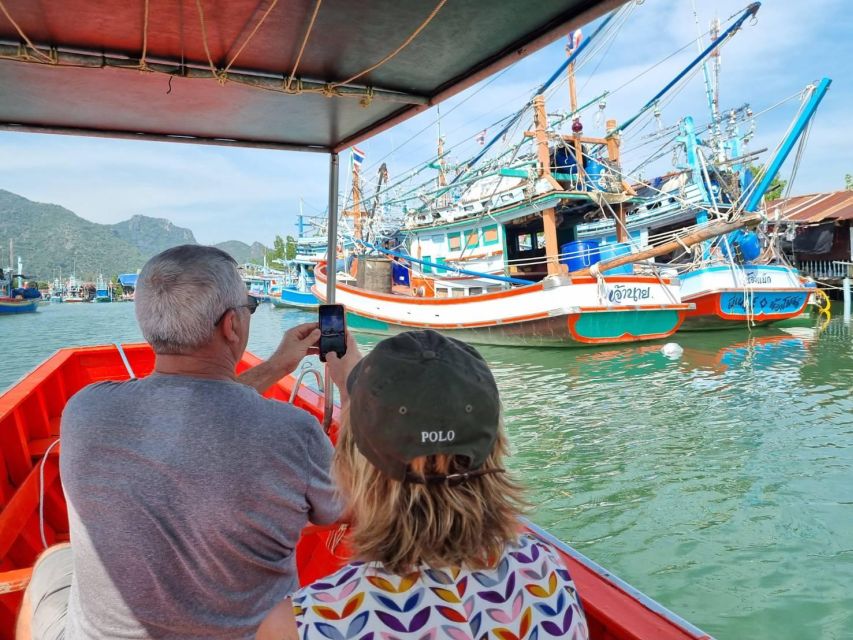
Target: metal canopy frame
x,y
307,75
313,75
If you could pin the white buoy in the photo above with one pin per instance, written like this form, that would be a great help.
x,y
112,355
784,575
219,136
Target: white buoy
x,y
672,350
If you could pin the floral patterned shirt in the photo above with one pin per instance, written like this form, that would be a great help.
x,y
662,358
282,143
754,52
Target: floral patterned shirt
x,y
528,595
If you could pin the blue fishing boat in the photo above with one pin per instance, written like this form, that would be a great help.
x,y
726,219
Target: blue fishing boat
x,y
14,300
103,293
299,275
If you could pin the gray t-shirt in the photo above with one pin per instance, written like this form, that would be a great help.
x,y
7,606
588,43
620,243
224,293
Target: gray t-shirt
x,y
186,497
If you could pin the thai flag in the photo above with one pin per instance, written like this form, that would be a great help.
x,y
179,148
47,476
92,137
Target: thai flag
x,y
357,158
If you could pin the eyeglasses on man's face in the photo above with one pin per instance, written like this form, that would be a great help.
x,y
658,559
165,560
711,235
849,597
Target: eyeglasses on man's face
x,y
251,304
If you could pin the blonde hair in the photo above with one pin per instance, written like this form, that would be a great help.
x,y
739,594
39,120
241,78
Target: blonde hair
x,y
404,524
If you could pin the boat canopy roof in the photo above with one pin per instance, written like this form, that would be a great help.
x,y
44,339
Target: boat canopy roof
x,y
297,74
128,279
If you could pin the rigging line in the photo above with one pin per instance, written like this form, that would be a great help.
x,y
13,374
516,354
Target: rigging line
x,y
204,39
250,36
302,46
405,44
21,33
430,125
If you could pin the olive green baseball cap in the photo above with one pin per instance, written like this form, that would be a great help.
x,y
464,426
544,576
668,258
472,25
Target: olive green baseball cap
x,y
420,393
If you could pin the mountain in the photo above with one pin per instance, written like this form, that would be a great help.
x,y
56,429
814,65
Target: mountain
x,y
152,235
242,252
49,237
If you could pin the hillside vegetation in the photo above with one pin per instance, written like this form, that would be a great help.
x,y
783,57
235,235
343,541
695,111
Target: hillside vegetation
x,y
49,237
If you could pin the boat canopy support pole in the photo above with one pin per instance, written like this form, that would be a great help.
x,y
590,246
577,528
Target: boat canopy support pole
x,y
331,272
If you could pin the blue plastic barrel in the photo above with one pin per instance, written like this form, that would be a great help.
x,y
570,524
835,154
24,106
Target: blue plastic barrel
x,y
746,242
609,251
400,273
579,254
594,172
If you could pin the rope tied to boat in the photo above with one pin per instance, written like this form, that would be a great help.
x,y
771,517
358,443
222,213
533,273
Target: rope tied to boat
x,y
49,59
302,48
143,64
405,44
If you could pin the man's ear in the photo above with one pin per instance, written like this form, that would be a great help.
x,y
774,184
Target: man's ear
x,y
229,326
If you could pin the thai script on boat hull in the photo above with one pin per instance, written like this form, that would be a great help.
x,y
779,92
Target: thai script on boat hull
x,y
763,303
622,293
756,277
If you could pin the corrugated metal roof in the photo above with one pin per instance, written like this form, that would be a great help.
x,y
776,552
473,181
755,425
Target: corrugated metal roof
x,y
814,207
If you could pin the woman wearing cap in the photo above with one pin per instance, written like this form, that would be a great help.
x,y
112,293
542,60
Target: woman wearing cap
x,y
435,518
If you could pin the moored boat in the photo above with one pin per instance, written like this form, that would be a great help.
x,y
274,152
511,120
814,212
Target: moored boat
x,y
9,306
555,312
103,293
34,514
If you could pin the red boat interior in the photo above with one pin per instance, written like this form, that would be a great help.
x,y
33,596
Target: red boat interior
x,y
33,503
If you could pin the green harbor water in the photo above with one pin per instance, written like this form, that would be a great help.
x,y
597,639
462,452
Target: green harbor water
x,y
719,483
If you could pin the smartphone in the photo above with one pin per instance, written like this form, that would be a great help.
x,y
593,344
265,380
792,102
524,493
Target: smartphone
x,y
332,330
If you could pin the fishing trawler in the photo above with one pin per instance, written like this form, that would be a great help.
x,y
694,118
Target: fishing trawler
x,y
299,275
538,248
10,303
103,292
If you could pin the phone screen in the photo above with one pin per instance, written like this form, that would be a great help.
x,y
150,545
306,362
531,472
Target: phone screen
x,y
332,330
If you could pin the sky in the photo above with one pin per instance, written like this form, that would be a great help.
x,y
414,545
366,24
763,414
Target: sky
x,y
224,193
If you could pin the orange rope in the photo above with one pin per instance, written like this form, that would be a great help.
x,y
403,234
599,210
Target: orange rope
x,y
405,44
143,66
204,41
29,42
304,42
251,35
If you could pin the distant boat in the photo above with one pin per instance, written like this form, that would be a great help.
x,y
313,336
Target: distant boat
x,y
74,291
102,291
10,304
296,292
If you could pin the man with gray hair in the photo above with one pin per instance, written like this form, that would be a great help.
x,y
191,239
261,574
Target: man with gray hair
x,y
186,490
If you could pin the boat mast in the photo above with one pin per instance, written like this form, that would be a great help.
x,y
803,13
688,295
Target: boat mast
x,y
549,216
803,119
577,128
355,212
750,11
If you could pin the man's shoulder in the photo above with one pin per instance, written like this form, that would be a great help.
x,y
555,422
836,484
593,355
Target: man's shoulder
x,y
93,392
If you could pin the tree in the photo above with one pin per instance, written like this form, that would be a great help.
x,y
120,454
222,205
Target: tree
x,y
282,249
777,185
848,182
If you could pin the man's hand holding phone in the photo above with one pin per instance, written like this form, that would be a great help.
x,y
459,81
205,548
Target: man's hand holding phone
x,y
338,348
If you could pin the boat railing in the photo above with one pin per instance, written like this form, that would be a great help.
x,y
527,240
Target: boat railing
x,y
307,368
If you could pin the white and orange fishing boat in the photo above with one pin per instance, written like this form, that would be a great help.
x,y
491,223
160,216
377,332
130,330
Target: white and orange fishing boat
x,y
557,311
34,513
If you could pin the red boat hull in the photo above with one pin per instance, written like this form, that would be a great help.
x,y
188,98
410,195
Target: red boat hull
x,y
29,426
